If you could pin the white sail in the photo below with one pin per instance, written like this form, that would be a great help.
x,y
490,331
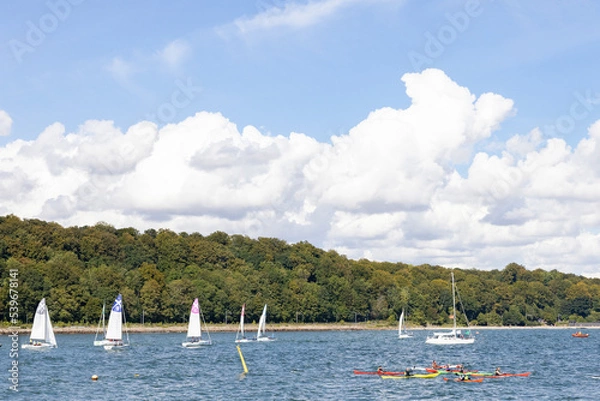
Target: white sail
x,y
262,323
115,321
42,334
194,328
194,333
240,337
402,333
38,330
50,339
400,322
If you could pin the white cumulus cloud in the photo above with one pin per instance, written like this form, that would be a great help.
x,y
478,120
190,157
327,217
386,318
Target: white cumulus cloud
x,y
390,188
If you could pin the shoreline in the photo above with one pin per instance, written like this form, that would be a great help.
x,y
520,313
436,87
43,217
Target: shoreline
x,y
138,328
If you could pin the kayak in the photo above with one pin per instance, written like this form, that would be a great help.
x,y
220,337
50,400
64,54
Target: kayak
x,y
467,380
415,376
371,372
494,376
443,371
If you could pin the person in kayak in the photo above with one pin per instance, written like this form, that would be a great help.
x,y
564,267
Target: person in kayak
x,y
498,372
408,372
380,370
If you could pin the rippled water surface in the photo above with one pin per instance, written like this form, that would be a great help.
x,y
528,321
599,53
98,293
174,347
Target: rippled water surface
x,y
306,366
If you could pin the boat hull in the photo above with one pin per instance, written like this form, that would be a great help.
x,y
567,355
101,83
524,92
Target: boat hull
x,y
449,341
100,343
405,336
265,339
115,346
42,346
196,344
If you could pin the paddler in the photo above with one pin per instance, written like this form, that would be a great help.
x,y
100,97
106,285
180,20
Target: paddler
x,y
408,372
498,372
380,370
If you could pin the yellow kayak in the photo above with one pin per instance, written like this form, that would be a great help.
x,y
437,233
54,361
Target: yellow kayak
x,y
415,376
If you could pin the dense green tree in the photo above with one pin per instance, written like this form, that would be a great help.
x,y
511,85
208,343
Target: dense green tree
x,y
160,272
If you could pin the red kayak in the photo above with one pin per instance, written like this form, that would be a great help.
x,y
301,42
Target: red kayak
x,y
384,373
467,380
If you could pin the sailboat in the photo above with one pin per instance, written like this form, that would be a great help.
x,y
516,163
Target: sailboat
x,y
240,337
114,332
261,334
42,335
101,322
402,332
194,334
454,337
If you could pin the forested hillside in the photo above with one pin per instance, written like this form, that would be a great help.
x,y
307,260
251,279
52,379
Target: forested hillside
x,y
159,272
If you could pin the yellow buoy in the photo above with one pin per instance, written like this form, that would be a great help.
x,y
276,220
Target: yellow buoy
x,y
242,359
95,377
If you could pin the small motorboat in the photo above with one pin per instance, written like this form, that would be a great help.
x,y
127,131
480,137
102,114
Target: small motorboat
x,y
579,334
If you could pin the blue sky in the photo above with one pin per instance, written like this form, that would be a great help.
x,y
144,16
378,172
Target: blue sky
x,y
320,68
320,79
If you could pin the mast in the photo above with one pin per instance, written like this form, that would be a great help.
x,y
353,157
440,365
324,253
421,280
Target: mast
x,y
453,302
242,320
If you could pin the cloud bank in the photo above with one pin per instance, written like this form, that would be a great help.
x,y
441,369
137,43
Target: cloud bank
x,y
390,189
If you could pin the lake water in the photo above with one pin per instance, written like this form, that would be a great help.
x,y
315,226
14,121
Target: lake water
x,y
306,366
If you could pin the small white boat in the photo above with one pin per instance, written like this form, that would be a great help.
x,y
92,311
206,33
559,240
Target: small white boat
x,y
42,334
261,335
453,337
402,332
114,332
194,334
240,336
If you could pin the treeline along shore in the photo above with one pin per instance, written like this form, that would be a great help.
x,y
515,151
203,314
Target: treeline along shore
x,y
160,272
